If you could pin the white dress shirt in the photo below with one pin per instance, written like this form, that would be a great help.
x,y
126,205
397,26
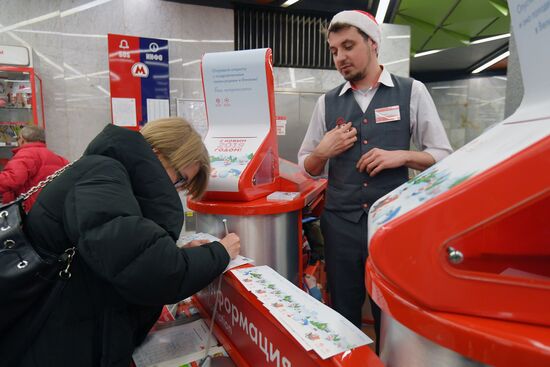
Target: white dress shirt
x,y
427,131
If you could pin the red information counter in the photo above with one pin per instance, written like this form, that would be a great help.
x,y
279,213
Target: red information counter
x,y
262,199
253,337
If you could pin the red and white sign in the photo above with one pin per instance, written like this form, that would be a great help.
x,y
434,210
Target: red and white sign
x,y
139,79
239,116
281,125
230,145
140,70
15,55
387,114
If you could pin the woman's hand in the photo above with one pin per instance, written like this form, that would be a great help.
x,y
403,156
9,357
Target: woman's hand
x,y
232,244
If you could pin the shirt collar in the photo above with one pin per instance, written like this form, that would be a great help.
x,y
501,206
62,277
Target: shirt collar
x,y
384,78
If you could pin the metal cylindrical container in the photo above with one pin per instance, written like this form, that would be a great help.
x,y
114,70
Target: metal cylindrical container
x,y
270,239
402,347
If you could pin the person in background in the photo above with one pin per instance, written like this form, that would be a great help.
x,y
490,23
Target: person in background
x,y
31,163
119,206
360,135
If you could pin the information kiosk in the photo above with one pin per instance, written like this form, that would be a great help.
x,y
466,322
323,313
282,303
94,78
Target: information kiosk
x,y
261,197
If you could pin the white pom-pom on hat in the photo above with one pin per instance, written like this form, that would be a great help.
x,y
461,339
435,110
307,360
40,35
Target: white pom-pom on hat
x,y
360,19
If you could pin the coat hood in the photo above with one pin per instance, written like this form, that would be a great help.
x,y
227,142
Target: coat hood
x,y
151,184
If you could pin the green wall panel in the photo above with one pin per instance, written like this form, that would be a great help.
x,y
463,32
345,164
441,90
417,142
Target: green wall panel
x,y
431,11
501,26
463,20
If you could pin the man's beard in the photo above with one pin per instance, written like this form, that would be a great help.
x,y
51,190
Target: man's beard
x,y
354,77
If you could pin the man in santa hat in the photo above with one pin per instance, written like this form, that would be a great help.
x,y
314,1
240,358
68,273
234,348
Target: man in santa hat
x,y
359,135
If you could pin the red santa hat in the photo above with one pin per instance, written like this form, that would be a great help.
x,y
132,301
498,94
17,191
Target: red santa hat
x,y
360,19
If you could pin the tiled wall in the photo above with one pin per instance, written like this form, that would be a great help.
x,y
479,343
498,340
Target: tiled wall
x,y
468,107
72,53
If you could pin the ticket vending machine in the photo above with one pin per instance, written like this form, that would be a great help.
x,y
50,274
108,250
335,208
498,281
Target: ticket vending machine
x,y
460,255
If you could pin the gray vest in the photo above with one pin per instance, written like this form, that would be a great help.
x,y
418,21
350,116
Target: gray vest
x,y
350,192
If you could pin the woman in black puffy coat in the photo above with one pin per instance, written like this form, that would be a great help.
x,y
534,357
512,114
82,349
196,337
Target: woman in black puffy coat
x,y
119,206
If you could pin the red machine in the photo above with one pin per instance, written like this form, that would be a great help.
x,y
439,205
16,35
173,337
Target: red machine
x,y
270,231
465,278
460,255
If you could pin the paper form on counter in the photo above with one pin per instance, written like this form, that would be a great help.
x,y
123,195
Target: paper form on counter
x,y
238,261
312,323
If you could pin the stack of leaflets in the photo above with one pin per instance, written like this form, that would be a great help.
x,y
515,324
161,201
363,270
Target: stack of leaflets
x,y
283,196
180,345
313,324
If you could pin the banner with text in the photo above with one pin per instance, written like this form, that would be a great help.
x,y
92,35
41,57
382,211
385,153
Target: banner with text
x,y
236,97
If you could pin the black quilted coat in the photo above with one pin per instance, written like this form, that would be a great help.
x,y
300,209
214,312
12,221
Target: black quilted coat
x,y
120,209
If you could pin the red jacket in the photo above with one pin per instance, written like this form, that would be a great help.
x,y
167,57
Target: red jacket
x,y
31,163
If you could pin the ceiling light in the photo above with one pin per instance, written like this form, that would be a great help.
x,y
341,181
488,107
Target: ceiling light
x,y
198,41
426,53
396,37
382,10
191,62
491,62
48,60
187,79
488,39
102,89
287,3
41,18
292,77
449,87
62,34
397,61
174,61
83,7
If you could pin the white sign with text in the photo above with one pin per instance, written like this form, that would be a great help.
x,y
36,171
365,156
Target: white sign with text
x,y
237,104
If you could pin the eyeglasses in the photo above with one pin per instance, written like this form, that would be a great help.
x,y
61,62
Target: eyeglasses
x,y
181,180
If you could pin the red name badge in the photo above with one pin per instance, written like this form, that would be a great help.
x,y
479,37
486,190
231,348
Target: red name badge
x,y
387,114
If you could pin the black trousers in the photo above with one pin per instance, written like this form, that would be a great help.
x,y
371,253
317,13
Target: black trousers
x,y
346,253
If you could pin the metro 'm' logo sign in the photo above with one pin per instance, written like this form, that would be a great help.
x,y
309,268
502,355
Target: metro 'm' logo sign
x,y
140,70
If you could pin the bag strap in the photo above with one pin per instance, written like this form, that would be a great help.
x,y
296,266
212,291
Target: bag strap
x,y
43,183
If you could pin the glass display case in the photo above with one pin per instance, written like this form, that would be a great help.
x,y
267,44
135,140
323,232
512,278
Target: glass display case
x,y
20,104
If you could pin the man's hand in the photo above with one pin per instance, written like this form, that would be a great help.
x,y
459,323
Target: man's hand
x,y
336,141
376,160
196,243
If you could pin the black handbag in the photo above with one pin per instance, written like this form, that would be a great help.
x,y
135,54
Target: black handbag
x,y
28,279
